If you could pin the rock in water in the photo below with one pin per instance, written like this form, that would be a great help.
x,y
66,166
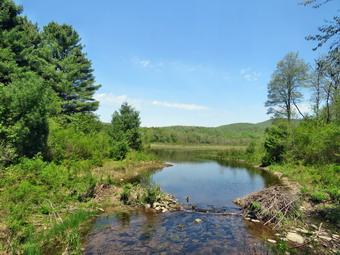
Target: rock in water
x,y
296,238
198,220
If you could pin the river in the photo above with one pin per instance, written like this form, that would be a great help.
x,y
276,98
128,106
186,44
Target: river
x,y
204,184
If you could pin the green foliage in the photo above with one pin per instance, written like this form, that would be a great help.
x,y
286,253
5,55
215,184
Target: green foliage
x,y
284,88
315,143
318,196
255,206
125,130
238,134
35,187
78,140
282,248
251,147
67,69
276,143
23,115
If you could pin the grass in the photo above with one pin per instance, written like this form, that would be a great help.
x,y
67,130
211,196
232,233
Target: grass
x,y
43,205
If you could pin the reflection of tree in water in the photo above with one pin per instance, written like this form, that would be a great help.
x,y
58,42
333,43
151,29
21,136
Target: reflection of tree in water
x,y
178,155
149,226
253,172
123,219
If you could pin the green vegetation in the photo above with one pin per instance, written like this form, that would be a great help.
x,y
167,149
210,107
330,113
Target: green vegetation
x,y
54,152
239,134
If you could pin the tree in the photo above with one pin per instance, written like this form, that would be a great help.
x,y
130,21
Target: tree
x,y
284,93
329,31
329,66
19,42
23,115
68,70
125,126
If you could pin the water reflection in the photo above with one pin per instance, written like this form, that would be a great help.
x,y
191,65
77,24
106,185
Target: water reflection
x,y
208,184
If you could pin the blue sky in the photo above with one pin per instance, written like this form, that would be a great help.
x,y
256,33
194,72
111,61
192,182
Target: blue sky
x,y
186,62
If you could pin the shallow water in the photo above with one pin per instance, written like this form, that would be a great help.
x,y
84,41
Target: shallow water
x,y
206,184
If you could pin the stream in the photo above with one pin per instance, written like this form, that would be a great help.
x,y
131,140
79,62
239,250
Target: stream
x,y
205,184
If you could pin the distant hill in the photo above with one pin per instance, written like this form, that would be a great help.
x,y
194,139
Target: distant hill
x,y
232,134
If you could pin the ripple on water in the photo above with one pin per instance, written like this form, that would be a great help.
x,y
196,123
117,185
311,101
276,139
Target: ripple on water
x,y
173,233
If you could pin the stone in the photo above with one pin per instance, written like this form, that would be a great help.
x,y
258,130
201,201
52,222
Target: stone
x,y
326,238
155,204
254,220
198,220
335,236
165,210
247,218
271,241
158,208
296,238
147,206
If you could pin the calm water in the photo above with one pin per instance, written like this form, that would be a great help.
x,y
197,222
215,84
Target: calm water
x,y
207,184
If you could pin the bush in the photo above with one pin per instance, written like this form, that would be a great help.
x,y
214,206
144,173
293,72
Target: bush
x,y
318,196
276,143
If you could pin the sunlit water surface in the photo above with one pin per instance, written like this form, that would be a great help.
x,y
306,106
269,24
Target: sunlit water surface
x,y
211,185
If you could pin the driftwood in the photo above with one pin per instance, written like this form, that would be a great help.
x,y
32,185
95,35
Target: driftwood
x,y
270,205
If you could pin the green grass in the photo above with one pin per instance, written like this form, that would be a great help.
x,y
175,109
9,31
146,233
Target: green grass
x,y
43,204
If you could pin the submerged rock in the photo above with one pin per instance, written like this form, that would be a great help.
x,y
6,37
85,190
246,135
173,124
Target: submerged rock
x,y
198,220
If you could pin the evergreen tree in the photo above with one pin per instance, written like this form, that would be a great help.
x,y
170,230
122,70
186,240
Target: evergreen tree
x,y
125,126
19,42
68,70
23,115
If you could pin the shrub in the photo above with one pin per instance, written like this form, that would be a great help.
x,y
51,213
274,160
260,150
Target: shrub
x,y
318,196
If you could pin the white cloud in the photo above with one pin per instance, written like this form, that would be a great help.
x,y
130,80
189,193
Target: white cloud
x,y
111,99
250,75
304,107
143,63
181,106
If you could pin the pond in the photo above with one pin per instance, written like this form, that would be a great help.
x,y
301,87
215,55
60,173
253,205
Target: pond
x,y
204,184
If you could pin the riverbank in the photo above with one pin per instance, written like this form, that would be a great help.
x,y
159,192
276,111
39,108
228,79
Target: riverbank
x,y
45,207
297,219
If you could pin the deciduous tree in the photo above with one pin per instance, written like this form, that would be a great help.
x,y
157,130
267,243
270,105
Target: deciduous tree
x,y
284,93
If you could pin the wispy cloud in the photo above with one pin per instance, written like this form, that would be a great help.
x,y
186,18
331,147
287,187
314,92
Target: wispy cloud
x,y
160,65
142,63
111,99
250,75
181,106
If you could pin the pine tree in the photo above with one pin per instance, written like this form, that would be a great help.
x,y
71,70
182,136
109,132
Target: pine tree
x,y
68,70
